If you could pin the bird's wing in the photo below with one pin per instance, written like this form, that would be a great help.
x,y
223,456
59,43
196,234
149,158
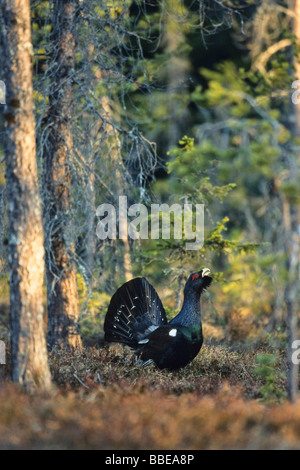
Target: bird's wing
x,y
157,344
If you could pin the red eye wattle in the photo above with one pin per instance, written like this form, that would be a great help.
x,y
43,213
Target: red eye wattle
x,y
195,277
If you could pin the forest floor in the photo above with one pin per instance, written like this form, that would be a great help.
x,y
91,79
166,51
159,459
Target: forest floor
x,y
102,400
232,396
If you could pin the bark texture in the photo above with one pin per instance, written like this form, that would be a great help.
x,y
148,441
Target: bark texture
x,y
63,310
26,241
291,219
119,186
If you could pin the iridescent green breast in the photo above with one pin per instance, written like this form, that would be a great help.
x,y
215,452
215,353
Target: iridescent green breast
x,y
193,333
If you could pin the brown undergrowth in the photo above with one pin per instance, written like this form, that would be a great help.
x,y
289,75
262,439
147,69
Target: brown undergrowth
x,y
103,400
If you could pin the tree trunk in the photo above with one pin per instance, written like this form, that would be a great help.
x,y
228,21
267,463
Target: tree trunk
x,y
26,251
177,67
119,186
291,214
291,290
63,309
90,211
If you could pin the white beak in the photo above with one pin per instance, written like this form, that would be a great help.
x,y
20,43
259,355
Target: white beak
x,y
205,272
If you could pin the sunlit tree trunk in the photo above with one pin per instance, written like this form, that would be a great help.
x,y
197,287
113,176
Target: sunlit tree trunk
x,y
25,240
63,309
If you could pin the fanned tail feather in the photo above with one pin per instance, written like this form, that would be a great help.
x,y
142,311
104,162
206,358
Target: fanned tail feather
x,y
135,310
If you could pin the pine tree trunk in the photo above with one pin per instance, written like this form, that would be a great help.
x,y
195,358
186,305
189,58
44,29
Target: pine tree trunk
x,y
292,240
63,309
90,211
26,250
291,289
177,67
119,186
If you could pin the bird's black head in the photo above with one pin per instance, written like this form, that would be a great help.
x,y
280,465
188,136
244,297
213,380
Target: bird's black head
x,y
199,281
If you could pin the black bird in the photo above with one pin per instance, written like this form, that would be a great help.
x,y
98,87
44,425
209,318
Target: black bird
x,y
136,317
